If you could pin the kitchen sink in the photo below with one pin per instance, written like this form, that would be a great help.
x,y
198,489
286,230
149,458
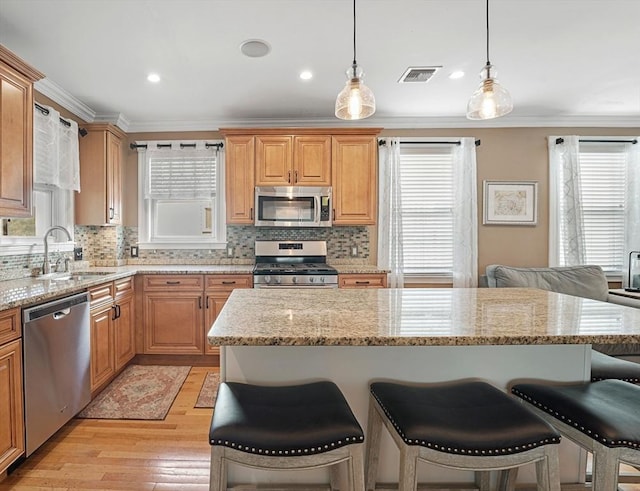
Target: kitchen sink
x,y
77,276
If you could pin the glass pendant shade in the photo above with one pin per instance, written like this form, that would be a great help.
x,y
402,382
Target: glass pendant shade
x,y
490,100
355,100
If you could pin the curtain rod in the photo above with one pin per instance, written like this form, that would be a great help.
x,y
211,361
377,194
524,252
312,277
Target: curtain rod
x,y
133,146
45,111
634,141
383,143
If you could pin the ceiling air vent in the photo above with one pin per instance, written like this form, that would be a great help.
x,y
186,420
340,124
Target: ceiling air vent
x,y
418,74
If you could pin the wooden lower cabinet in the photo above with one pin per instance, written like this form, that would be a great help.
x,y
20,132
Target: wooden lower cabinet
x,y
112,320
217,291
180,309
11,404
362,280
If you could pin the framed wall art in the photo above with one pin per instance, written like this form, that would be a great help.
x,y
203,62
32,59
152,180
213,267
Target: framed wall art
x,y
510,203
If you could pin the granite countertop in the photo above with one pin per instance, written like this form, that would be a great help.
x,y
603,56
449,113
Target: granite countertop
x,y
358,268
31,290
419,317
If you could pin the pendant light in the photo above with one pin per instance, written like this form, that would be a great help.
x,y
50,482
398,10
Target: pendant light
x,y
490,100
355,100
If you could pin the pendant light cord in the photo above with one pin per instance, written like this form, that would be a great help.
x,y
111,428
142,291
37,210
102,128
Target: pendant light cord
x,y
354,38
488,62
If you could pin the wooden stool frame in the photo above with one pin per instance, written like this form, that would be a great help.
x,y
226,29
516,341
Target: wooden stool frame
x,y
545,458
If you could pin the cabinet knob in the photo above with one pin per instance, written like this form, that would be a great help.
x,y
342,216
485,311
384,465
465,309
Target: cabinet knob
x,y
111,213
295,176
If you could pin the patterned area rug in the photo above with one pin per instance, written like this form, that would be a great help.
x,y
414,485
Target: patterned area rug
x,y
209,390
139,392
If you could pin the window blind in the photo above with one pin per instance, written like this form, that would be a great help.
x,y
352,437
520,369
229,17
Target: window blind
x,y
603,182
426,181
181,174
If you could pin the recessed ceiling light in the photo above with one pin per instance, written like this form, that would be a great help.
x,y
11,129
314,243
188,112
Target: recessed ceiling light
x,y
306,75
456,74
153,77
255,48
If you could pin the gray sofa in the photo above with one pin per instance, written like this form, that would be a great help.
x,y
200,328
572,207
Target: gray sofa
x,y
587,281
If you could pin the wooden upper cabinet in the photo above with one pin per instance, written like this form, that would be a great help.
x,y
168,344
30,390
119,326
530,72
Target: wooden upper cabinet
x,y
239,180
354,178
312,160
16,134
99,201
285,160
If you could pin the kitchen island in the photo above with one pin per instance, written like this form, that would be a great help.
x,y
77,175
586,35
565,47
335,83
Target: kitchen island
x,y
353,337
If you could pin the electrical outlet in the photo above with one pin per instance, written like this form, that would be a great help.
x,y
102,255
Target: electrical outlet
x,y
134,251
230,251
77,253
354,251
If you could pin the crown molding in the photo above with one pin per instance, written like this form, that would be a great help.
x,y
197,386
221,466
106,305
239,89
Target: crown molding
x,y
57,94
66,100
118,119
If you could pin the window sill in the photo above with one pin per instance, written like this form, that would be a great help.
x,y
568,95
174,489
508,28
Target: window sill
x,y
34,248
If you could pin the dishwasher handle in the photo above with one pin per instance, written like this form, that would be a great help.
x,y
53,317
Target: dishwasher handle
x,y
61,314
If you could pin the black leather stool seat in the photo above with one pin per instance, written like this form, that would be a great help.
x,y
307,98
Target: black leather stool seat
x,y
283,421
465,418
606,367
607,411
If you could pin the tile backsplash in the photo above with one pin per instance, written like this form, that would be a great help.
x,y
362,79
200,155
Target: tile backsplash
x,y
111,246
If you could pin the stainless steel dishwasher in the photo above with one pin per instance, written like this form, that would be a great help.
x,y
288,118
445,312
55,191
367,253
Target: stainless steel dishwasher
x,y
56,366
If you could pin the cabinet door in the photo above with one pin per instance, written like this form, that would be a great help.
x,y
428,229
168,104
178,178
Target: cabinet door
x,y
239,172
273,161
16,143
124,331
173,322
102,347
114,179
214,303
354,178
11,405
312,160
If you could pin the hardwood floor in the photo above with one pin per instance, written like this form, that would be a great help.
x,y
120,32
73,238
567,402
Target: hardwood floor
x,y
136,455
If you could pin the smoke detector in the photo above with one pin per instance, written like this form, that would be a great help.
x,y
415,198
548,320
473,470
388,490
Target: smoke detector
x,y
418,74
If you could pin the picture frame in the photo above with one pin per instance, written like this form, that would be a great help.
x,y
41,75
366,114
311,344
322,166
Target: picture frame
x,y
510,203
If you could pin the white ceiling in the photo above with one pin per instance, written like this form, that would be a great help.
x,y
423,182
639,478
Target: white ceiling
x,y
565,62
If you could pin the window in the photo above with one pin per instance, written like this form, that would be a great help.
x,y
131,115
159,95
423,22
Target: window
x,y
56,175
591,194
181,199
426,188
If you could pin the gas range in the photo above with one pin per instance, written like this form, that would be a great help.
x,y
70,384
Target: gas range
x,y
293,264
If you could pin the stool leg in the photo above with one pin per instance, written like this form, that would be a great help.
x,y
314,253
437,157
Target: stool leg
x,y
605,468
408,472
548,470
374,431
217,476
483,480
334,473
356,468
507,479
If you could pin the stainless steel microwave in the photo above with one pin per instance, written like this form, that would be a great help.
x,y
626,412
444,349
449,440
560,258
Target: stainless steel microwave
x,y
293,206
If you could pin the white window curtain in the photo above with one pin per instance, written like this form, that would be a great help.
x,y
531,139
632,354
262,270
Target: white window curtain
x,y
390,217
565,217
632,206
56,151
465,215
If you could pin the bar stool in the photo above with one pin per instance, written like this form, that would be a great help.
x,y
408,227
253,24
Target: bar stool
x,y
605,367
464,425
292,427
602,417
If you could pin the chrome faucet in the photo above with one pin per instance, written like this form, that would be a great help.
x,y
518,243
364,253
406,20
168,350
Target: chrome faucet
x,y
46,266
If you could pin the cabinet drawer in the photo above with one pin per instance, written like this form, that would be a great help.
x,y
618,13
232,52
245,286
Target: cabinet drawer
x,y
219,281
101,294
169,281
10,326
374,280
123,287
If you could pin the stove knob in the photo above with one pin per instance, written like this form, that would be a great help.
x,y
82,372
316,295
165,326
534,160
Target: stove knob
x,y
322,279
267,279
278,280
311,279
294,279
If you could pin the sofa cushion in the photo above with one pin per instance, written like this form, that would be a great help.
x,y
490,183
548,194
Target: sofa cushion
x,y
582,281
